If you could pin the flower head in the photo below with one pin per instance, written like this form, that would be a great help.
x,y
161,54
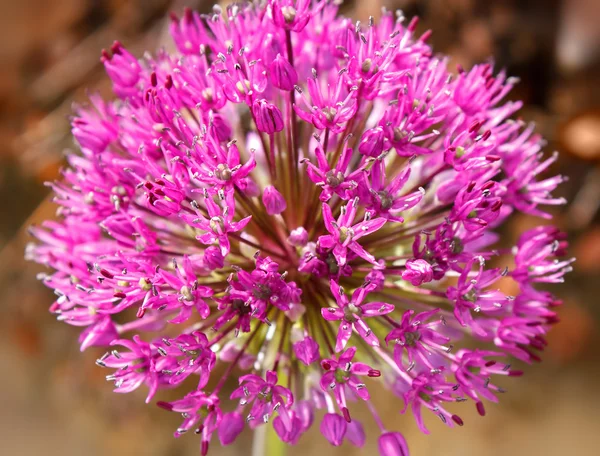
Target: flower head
x,y
280,195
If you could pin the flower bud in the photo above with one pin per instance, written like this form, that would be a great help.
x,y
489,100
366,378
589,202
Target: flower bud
x,y
283,75
377,278
290,435
230,427
213,259
333,427
267,116
291,15
295,312
273,201
249,187
356,434
392,444
306,413
307,350
417,272
371,143
230,351
122,67
298,237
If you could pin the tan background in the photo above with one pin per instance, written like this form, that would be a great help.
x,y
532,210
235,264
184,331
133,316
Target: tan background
x,y
54,401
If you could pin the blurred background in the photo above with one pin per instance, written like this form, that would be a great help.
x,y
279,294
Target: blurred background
x,y
55,400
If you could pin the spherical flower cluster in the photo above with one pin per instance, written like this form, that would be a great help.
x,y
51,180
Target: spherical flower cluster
x,y
311,205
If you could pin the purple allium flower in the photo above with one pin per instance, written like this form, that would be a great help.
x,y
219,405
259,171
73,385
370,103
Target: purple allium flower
x,y
280,195
341,373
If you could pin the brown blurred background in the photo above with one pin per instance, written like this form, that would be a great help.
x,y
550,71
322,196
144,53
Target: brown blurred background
x,y
54,400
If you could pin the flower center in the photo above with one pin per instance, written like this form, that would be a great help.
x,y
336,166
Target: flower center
x,y
330,113
289,13
399,134
266,394
262,292
223,172
217,224
240,306
385,200
457,246
367,65
208,94
332,264
351,311
186,293
334,178
341,375
470,296
346,233
411,338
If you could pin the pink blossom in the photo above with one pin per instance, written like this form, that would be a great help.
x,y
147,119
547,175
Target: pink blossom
x,y
266,397
341,373
278,194
417,338
345,233
351,314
